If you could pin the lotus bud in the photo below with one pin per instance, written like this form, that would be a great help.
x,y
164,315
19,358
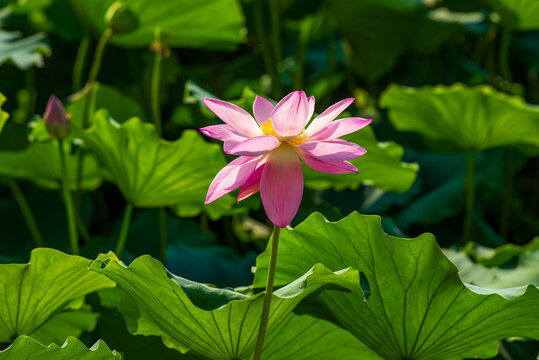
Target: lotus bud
x,y
56,119
120,19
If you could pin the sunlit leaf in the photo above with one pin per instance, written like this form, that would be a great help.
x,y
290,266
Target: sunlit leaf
x,y
3,115
463,118
216,323
31,294
412,304
314,339
517,14
23,52
197,24
381,167
526,272
71,322
40,163
150,171
502,254
387,29
119,105
27,348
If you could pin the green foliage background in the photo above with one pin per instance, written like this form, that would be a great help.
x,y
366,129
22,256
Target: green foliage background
x,y
453,89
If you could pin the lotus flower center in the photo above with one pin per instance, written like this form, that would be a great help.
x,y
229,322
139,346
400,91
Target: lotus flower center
x,y
267,129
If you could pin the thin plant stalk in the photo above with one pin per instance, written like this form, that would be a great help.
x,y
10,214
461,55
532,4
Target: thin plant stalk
x,y
469,189
269,293
126,222
157,48
27,213
508,180
504,54
267,56
163,235
79,62
277,46
508,194
68,202
92,76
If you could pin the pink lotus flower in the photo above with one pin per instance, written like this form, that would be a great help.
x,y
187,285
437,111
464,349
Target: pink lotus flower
x,y
270,149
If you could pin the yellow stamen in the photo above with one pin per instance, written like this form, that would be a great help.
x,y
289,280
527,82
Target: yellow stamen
x,y
298,140
267,128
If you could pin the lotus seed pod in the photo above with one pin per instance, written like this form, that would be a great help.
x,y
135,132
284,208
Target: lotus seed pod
x,y
120,19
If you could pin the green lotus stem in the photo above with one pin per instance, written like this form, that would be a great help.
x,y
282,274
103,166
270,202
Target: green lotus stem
x,y
68,202
469,189
27,214
79,62
332,61
82,229
126,222
163,235
277,47
267,57
508,194
98,56
156,77
92,76
504,54
269,293
156,115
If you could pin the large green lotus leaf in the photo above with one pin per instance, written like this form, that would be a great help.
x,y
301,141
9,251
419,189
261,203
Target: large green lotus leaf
x,y
387,29
22,52
31,294
502,254
216,323
150,171
305,337
381,159
119,105
3,115
381,167
462,118
414,305
71,322
520,15
40,163
526,272
27,348
214,24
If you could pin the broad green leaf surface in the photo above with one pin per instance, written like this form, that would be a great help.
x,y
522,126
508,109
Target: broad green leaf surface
x,y
120,106
502,254
3,115
381,159
40,163
308,338
526,272
415,305
520,15
30,294
27,348
213,24
216,323
462,118
67,323
387,29
23,52
150,171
